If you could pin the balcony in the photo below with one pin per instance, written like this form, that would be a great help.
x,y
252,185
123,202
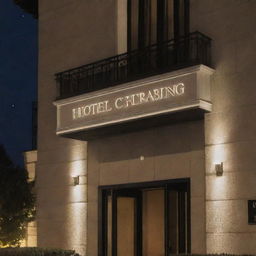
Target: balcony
x,y
155,59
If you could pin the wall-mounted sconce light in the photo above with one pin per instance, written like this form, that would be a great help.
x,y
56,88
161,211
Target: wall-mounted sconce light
x,y
219,169
78,180
142,158
75,180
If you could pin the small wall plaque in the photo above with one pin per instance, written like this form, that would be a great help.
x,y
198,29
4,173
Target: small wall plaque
x,y
252,212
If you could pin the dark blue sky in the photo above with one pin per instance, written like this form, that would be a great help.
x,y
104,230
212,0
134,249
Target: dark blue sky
x,y
18,78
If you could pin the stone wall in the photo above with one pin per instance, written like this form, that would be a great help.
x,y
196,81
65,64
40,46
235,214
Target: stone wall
x,y
71,33
230,129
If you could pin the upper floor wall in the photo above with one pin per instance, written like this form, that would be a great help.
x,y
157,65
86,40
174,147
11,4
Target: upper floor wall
x,y
72,33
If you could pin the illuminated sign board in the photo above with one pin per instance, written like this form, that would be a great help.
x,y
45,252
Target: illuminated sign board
x,y
159,95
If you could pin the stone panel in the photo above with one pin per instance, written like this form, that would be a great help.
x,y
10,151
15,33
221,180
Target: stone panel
x,y
92,222
114,172
66,154
228,216
54,230
197,174
198,244
231,243
172,166
50,197
142,169
60,174
114,149
65,224
172,139
46,8
92,191
237,124
237,156
232,185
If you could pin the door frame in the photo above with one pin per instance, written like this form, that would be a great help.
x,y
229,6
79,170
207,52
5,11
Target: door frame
x,y
103,192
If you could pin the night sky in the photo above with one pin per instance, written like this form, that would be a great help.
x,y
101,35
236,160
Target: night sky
x,y
18,78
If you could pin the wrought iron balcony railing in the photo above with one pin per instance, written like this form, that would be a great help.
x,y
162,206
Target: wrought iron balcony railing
x,y
155,59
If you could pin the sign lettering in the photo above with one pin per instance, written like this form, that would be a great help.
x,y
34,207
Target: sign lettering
x,y
127,101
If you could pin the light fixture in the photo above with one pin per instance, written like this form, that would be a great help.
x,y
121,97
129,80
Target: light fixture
x,y
80,179
75,180
219,169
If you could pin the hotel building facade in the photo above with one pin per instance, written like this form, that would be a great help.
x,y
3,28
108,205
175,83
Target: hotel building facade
x,y
146,127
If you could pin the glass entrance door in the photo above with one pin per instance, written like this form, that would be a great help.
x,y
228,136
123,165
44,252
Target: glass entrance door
x,y
126,222
147,219
153,222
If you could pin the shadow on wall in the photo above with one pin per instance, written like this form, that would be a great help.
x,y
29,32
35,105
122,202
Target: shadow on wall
x,y
167,140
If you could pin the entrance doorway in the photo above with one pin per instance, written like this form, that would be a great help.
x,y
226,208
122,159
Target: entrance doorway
x,y
145,219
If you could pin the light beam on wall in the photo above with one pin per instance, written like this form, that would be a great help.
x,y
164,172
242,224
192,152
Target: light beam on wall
x,y
77,203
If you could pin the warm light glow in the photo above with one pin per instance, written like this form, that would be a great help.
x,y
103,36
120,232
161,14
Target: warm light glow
x,y
76,227
218,184
218,154
218,188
